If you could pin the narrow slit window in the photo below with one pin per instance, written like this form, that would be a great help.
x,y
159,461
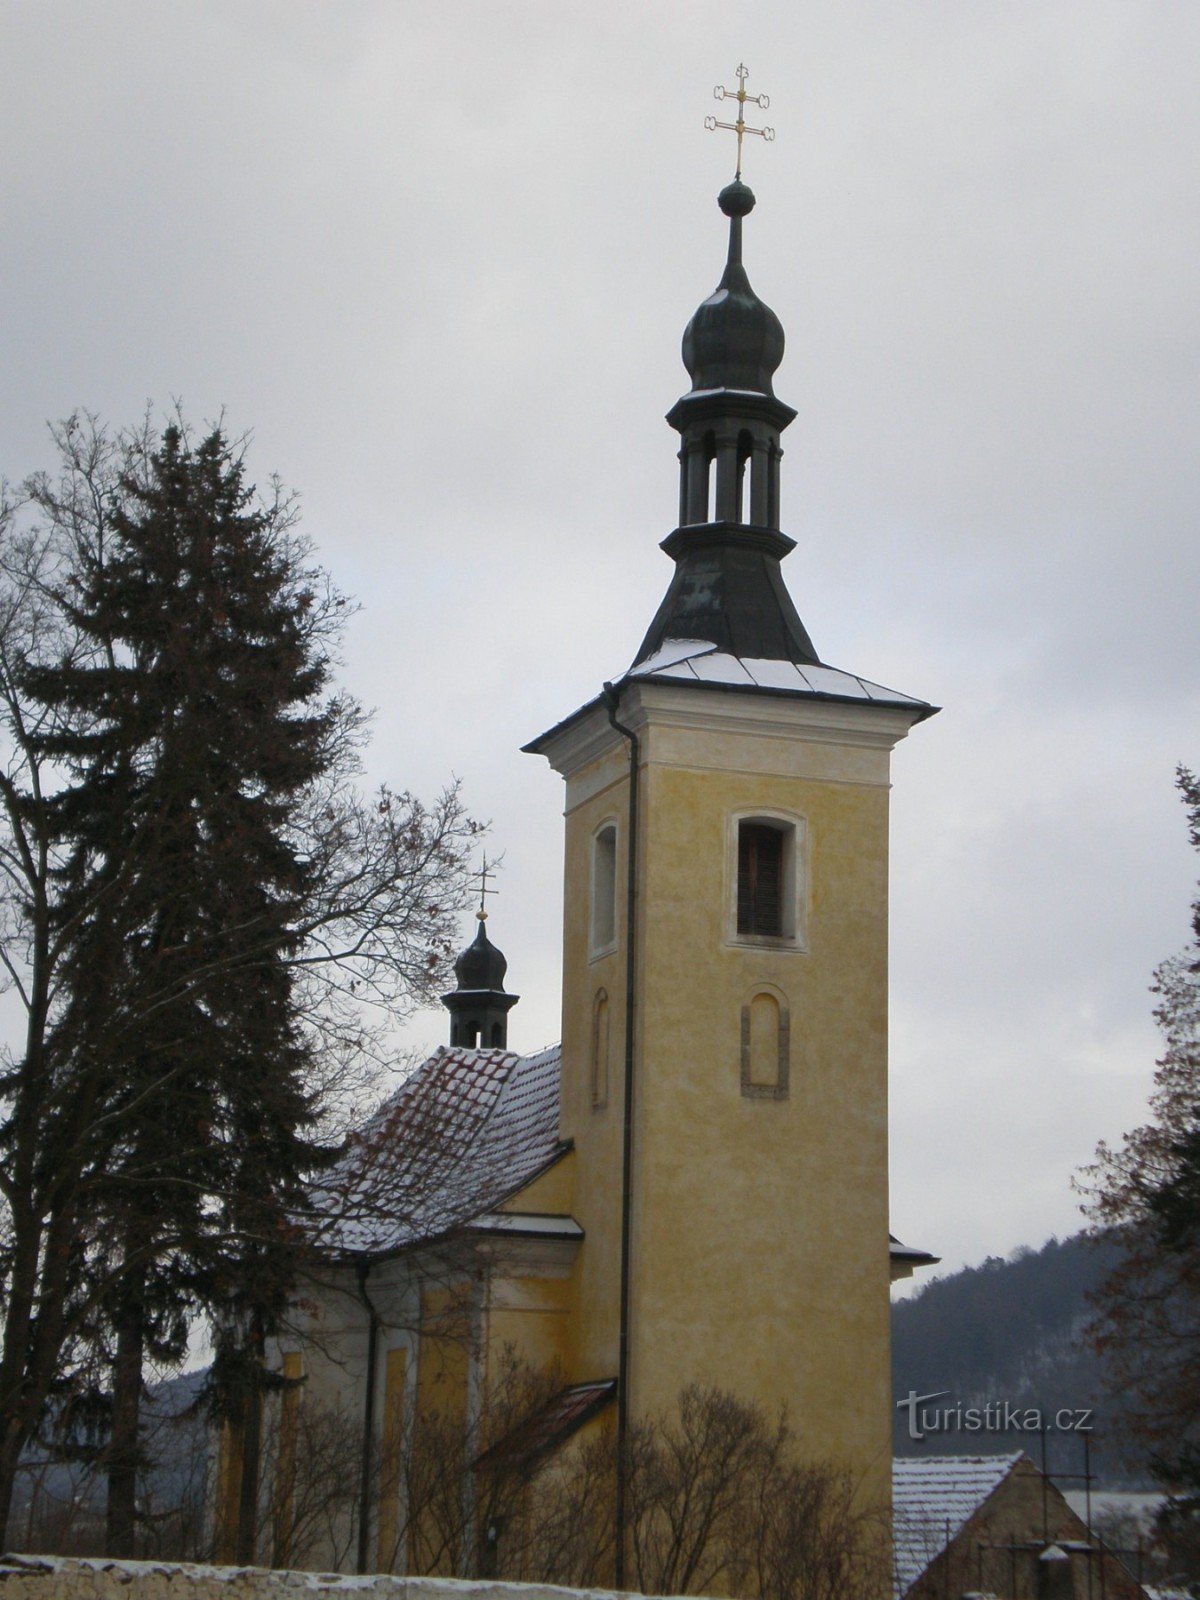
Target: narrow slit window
x,y
600,1050
761,879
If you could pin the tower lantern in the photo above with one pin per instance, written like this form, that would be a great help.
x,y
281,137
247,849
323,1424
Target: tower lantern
x,y
479,1005
731,421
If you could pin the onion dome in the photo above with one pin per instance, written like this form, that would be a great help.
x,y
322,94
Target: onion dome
x,y
734,340
479,1006
481,965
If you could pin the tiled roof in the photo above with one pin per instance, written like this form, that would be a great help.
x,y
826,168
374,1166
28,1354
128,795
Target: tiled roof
x,y
468,1129
933,1497
699,661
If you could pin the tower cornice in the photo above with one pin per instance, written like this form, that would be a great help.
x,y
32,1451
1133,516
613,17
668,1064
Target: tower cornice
x,y
701,406
587,735
715,535
767,714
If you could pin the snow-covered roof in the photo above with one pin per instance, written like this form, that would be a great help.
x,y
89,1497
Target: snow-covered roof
x,y
933,1498
700,661
528,1224
910,1253
468,1129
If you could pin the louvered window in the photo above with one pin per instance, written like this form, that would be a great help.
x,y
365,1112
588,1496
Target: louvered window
x,y
760,879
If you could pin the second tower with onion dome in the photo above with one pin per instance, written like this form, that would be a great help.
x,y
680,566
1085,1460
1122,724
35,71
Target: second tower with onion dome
x,y
725,955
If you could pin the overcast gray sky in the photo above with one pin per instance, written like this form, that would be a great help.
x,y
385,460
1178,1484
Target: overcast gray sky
x,y
438,257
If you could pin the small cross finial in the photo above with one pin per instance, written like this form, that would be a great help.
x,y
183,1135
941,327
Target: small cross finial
x,y
739,127
487,869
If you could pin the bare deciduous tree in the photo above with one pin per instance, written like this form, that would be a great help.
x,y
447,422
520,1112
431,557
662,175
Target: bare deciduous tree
x,y
1145,1195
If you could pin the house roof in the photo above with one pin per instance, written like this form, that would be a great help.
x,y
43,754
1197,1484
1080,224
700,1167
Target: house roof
x,y
910,1253
933,1498
468,1129
550,1425
528,1225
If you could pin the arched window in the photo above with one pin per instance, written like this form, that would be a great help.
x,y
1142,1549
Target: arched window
x,y
603,921
745,452
766,1046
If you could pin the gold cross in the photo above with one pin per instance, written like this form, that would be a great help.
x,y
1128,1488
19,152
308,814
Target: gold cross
x,y
482,875
739,127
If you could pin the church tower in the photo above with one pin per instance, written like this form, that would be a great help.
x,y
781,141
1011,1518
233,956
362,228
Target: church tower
x,y
725,955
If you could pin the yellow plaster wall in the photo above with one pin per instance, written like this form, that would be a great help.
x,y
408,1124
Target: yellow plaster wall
x,y
760,1226
391,1459
601,797
528,1316
228,1492
444,1355
443,1377
551,1194
527,1312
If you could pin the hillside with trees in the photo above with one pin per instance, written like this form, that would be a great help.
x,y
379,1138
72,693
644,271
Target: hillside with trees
x,y
1014,1331
1106,1320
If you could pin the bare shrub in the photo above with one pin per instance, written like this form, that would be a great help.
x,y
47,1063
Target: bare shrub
x,y
718,1499
311,1460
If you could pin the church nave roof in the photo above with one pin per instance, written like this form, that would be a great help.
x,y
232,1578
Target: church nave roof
x,y
466,1131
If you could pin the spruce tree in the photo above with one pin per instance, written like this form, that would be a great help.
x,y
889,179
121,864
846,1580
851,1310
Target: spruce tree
x,y
192,731
191,981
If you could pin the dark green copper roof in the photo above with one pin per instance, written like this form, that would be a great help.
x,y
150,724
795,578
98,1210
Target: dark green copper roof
x,y
728,589
481,965
734,340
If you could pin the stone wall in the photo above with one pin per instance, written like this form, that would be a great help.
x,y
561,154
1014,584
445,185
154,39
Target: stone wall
x,y
62,1578
66,1578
